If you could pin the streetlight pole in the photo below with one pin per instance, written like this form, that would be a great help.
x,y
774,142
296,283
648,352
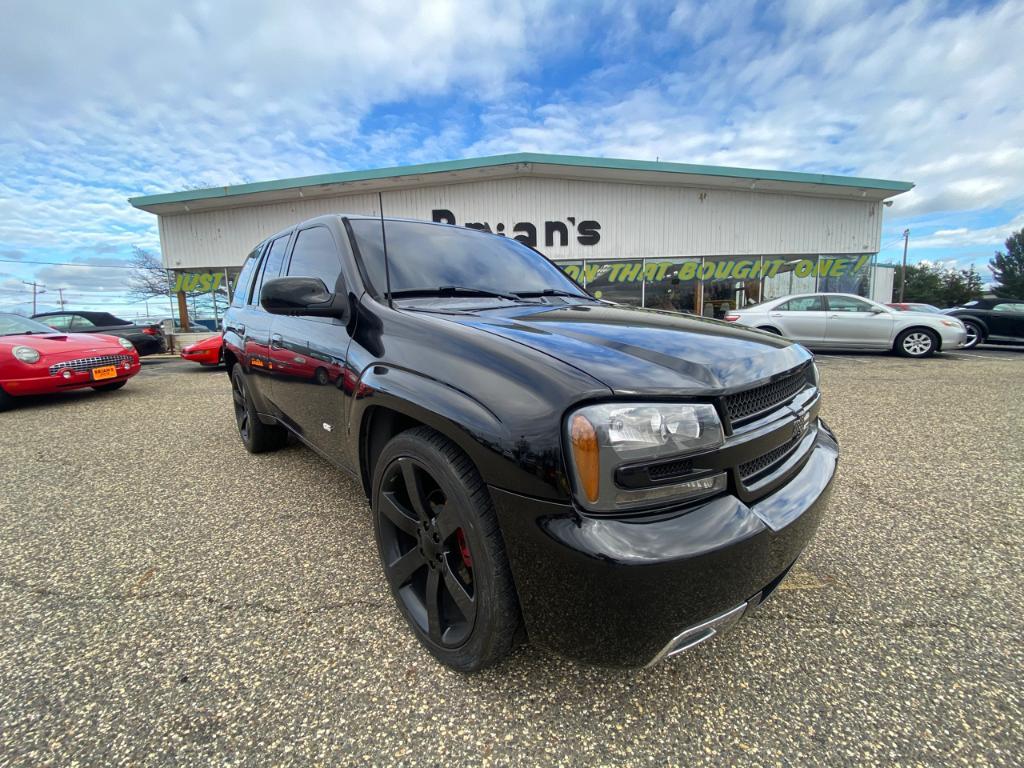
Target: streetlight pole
x,y
903,275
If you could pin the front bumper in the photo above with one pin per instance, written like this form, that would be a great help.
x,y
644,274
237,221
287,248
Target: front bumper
x,y
953,338
203,356
620,591
37,381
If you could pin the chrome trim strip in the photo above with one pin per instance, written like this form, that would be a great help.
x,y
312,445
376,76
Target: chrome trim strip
x,y
84,364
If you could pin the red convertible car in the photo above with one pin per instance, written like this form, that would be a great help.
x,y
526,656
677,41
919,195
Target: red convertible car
x,y
37,360
206,352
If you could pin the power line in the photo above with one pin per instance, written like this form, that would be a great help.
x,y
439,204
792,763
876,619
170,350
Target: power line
x,y
77,264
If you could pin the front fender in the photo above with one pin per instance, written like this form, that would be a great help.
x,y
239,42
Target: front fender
x,y
974,319
504,459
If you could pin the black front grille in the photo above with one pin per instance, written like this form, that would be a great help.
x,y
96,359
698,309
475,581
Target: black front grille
x,y
743,406
671,469
769,460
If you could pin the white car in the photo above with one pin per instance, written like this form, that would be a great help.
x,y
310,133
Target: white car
x,y
845,321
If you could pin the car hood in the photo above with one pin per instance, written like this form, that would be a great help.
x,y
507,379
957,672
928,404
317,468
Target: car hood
x,y
60,343
637,351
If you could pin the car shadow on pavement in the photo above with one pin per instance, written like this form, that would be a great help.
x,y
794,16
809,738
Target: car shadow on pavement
x,y
59,399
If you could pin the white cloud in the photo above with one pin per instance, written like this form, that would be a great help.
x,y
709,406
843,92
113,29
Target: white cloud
x,y
911,92
103,100
965,237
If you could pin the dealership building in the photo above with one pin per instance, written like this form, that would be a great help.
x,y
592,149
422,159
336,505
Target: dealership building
x,y
690,238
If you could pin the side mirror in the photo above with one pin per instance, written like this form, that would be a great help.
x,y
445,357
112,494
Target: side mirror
x,y
303,296
877,311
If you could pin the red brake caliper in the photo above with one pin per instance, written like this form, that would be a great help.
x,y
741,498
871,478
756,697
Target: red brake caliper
x,y
467,558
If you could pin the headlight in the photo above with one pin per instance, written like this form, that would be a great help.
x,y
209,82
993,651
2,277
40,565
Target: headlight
x,y
26,354
125,343
602,438
952,323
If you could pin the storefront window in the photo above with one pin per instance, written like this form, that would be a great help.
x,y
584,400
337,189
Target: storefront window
x,y
730,282
786,275
845,274
573,269
671,284
620,281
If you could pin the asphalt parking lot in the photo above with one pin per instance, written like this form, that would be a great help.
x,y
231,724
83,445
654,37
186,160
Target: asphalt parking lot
x,y
165,597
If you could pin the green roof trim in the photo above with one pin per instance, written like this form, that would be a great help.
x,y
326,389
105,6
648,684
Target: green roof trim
x,y
570,161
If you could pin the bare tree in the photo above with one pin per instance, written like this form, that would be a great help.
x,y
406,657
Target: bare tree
x,y
146,275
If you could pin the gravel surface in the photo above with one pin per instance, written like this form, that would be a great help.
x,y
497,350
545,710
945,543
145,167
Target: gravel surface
x,y
167,598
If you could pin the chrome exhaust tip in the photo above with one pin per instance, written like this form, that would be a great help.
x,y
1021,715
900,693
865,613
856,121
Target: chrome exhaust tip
x,y
700,633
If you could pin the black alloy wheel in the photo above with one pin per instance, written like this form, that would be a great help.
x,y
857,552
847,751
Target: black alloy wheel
x,y
442,552
257,437
426,556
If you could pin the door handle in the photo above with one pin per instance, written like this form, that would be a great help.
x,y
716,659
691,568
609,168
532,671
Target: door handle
x,y
775,314
834,315
275,341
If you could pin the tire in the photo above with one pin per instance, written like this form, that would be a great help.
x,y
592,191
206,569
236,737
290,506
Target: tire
x,y
6,401
975,334
440,545
110,387
916,342
321,376
256,436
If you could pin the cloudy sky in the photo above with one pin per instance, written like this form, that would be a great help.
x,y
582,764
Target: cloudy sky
x,y
106,100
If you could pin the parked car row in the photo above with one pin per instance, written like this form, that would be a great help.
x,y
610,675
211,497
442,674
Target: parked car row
x,y
36,359
844,321
147,339
990,320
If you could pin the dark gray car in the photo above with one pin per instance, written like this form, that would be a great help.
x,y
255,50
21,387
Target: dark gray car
x,y
147,339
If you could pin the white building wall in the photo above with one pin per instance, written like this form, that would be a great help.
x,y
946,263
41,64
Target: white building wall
x,y
636,220
882,284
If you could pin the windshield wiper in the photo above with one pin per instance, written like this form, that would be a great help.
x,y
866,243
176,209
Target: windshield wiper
x,y
453,290
551,292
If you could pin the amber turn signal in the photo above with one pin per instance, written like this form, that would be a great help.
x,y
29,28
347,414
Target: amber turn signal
x,y
586,455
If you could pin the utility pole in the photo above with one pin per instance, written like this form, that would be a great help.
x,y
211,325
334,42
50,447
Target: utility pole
x,y
35,289
903,275
61,292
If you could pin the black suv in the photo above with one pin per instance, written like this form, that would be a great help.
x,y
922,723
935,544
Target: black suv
x,y
612,483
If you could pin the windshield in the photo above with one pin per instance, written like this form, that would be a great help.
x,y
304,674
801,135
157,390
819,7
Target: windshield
x,y
12,324
427,257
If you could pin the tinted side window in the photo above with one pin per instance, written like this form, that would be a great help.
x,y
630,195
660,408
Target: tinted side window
x,y
271,266
847,304
804,304
60,322
245,279
79,322
1008,308
316,255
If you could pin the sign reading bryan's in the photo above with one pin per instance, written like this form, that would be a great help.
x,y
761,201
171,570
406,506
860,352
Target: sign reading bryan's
x,y
587,232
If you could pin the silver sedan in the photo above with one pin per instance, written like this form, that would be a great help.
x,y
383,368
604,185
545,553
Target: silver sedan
x,y
845,321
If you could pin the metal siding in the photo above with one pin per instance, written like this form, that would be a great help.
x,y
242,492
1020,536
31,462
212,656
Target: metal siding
x,y
636,220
